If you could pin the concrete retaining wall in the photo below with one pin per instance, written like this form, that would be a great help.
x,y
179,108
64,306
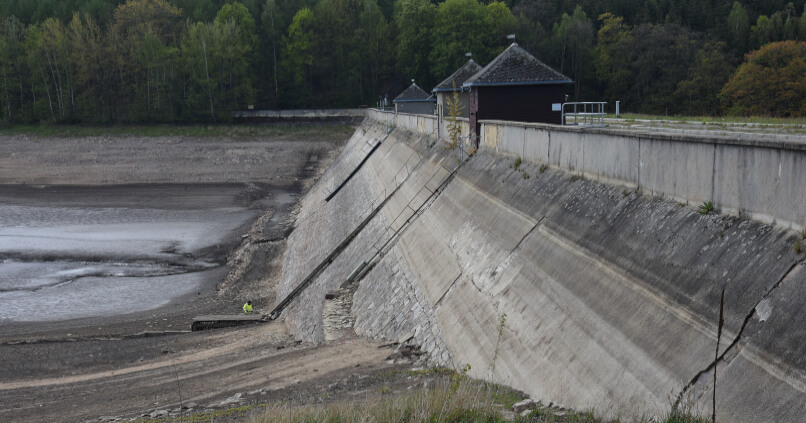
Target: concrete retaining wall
x,y
611,297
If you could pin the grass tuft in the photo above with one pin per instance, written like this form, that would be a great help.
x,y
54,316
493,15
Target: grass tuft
x,y
705,208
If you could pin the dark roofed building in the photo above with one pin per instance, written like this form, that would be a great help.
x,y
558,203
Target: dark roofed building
x,y
414,100
456,81
516,86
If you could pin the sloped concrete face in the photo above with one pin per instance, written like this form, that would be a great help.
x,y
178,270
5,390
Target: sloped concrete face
x,y
574,291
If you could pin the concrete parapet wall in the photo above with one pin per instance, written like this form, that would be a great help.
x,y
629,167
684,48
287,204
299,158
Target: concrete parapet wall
x,y
761,179
423,124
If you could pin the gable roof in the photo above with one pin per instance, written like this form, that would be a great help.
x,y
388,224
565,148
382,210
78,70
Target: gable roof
x,y
412,93
515,66
459,77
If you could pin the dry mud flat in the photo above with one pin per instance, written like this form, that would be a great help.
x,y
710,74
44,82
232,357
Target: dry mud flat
x,y
121,360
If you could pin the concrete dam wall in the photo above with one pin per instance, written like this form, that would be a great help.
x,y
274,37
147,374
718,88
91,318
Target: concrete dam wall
x,y
575,291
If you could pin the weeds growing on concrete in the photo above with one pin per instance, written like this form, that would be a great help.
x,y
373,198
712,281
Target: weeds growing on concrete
x,y
501,325
525,175
543,168
517,163
798,247
705,208
803,233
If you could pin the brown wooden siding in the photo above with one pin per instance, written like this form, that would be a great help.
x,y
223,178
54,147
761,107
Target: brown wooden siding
x,y
524,103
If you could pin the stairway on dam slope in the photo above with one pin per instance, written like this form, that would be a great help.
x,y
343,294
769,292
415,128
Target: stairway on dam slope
x,y
611,297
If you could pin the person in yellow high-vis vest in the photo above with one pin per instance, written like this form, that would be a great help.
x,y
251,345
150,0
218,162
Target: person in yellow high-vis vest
x,y
247,308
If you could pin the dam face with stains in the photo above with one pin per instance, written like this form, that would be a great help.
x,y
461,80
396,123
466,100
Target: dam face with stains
x,y
592,248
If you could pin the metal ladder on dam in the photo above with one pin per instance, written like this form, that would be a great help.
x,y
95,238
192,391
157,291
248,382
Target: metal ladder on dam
x,y
415,207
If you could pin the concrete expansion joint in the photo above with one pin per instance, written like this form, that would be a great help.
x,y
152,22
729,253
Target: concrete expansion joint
x,y
732,351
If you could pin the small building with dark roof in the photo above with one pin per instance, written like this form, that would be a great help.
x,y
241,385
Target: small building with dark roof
x,y
415,100
444,89
516,86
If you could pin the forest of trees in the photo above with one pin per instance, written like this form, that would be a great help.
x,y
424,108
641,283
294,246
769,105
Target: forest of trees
x,y
106,61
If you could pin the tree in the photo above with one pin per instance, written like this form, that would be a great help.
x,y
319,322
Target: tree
x,y
574,34
700,92
93,69
5,98
198,47
298,54
15,76
137,25
374,38
802,25
272,27
771,81
612,69
335,78
240,16
414,20
502,22
763,31
460,26
236,33
739,26
53,47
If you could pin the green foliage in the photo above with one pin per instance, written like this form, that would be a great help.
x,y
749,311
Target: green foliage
x,y
705,208
455,108
739,25
699,92
125,61
771,82
502,322
798,247
517,163
543,167
460,26
574,36
414,21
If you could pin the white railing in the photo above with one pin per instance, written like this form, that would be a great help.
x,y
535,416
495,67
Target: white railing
x,y
584,113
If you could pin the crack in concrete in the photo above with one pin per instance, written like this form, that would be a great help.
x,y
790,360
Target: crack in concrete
x,y
736,340
436,304
527,234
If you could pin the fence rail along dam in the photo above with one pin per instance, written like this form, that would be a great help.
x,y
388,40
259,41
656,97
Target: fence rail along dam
x,y
571,263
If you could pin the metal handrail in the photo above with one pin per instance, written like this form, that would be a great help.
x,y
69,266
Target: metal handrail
x,y
592,113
